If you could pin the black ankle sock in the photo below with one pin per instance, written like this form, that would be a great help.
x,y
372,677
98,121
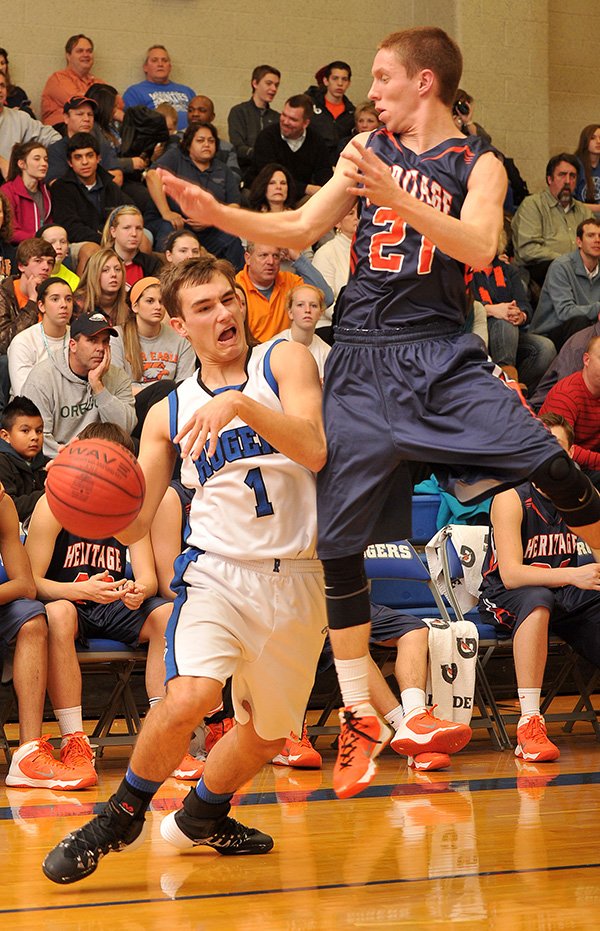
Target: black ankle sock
x,y
204,811
132,801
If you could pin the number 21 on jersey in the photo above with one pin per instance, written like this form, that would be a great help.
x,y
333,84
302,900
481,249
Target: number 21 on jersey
x,y
393,236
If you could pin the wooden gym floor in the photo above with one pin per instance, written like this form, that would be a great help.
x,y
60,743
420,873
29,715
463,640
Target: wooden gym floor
x,y
491,843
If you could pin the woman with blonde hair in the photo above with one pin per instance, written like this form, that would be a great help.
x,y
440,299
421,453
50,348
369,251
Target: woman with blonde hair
x,y
124,232
102,286
148,349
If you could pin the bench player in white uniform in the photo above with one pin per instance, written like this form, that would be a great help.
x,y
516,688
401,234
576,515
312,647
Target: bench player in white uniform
x,y
250,597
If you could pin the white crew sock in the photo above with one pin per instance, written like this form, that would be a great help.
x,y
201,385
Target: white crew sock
x,y
353,676
70,720
394,717
529,700
413,700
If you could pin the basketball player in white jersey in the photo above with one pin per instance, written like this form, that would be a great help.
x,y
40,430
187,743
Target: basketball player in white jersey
x,y
250,599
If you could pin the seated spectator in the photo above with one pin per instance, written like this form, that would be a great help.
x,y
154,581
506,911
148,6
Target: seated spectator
x,y
272,190
201,110
366,119
23,629
16,126
26,190
195,162
80,117
84,388
296,146
72,81
22,462
521,354
124,232
577,399
50,335
545,224
102,286
87,595
158,87
83,198
570,298
246,120
146,347
58,239
16,97
266,288
333,113
305,306
588,178
182,245
332,259
7,250
532,583
568,361
18,293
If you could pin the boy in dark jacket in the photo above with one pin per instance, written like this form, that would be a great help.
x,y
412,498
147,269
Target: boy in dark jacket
x,y
22,462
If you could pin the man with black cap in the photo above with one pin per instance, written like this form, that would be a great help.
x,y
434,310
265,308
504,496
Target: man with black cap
x,y
80,114
83,388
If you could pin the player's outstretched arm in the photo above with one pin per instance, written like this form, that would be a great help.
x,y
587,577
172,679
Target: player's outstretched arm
x,y
157,459
472,239
297,228
507,517
297,432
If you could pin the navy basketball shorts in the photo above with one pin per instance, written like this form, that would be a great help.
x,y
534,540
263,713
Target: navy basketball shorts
x,y
415,395
114,621
508,609
13,616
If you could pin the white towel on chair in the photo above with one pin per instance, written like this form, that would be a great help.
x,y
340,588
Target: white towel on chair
x,y
470,542
452,668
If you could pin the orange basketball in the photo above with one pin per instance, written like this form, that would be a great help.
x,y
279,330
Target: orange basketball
x,y
95,488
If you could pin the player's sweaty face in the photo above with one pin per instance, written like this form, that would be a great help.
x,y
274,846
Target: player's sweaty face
x,y
392,91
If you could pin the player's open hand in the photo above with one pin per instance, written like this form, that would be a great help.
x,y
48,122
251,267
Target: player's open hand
x,y
194,202
206,423
369,176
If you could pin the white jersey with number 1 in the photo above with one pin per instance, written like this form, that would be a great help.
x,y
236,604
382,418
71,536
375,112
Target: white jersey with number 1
x,y
250,501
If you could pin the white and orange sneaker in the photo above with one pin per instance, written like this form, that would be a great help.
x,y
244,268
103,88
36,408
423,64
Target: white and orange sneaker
x,y
214,732
33,765
363,735
532,740
189,768
421,732
76,753
429,762
299,753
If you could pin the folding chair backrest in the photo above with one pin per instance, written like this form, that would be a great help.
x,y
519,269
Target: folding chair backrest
x,y
399,579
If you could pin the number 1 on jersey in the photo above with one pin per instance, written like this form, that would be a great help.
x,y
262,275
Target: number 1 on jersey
x,y
255,481
395,236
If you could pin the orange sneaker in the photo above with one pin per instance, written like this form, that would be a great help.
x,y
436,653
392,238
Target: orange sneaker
x,y
76,753
299,753
189,768
362,738
429,761
532,740
421,732
33,765
214,732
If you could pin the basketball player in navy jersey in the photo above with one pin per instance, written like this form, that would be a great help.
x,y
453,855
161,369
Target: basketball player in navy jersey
x,y
531,579
403,383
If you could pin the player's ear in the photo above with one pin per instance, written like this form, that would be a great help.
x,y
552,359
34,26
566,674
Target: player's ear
x,y
4,434
178,324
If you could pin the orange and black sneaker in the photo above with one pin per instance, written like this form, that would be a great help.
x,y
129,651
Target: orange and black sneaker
x,y
421,732
532,740
214,732
33,765
363,735
298,752
189,768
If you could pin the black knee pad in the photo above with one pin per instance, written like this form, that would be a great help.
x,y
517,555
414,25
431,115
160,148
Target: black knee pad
x,y
569,489
346,592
